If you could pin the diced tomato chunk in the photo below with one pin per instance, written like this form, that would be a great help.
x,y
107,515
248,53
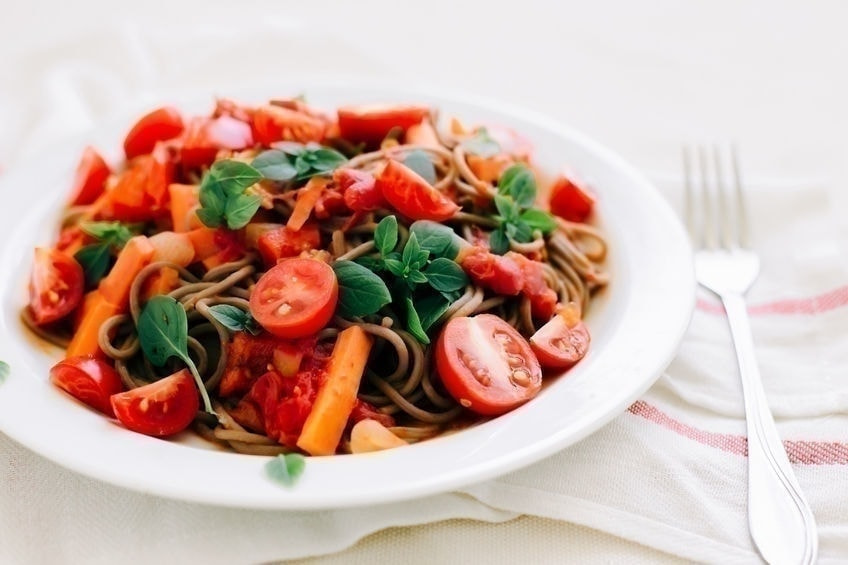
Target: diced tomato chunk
x,y
142,190
89,179
571,200
543,299
498,273
371,123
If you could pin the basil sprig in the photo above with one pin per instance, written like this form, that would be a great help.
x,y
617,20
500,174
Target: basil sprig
x,y
517,218
95,259
290,161
222,195
163,333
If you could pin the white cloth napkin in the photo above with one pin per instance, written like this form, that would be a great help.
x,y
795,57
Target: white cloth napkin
x,y
668,474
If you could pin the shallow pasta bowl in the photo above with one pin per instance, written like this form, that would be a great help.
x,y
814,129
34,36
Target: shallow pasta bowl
x,y
636,324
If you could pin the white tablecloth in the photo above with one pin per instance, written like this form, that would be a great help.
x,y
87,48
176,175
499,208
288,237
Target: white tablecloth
x,y
665,480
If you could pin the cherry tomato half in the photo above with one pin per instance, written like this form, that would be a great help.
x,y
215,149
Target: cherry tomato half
x,y
413,196
161,408
486,365
55,286
283,242
158,125
89,380
295,298
571,200
89,179
561,342
371,123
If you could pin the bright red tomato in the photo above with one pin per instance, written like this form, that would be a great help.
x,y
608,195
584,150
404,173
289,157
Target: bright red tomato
x,y
486,365
283,242
371,123
204,137
295,298
563,341
498,273
89,380
162,408
158,125
359,189
571,200
89,178
275,123
55,285
543,299
142,190
413,196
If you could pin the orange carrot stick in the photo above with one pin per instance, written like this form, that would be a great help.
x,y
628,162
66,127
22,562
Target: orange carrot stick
x,y
115,287
184,202
306,199
335,400
97,311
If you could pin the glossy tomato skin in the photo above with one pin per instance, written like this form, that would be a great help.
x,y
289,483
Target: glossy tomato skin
x,y
141,191
295,298
162,408
486,365
89,179
371,123
560,344
283,242
498,273
412,196
204,137
359,189
274,123
571,200
89,380
159,125
55,286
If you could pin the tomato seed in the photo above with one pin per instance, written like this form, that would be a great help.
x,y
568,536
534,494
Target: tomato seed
x,y
520,377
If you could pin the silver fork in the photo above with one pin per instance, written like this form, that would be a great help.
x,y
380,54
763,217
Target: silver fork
x,y
780,521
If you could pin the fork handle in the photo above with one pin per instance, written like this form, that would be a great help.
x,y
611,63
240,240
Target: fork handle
x,y
780,521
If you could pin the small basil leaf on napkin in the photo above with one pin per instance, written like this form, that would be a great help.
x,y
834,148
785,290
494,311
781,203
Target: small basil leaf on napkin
x,y
286,468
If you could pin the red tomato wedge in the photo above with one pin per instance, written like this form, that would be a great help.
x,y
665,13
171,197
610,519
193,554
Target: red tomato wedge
x,y
571,200
55,286
90,176
204,137
486,365
161,408
284,242
359,189
295,298
412,196
563,341
275,123
158,125
371,123
89,380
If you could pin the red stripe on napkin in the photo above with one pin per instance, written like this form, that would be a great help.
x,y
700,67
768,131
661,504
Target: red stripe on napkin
x,y
825,302
800,452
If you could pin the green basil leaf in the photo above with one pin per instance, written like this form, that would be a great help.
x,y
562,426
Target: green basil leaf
x,y
498,242
413,322
445,276
411,250
519,183
506,207
420,162
292,148
209,217
94,260
112,233
520,231
274,165
234,176
482,144
286,468
232,317
386,235
5,370
539,220
361,292
240,209
317,161
371,263
395,266
431,308
438,239
417,277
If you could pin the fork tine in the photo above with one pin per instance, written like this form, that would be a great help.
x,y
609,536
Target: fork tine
x,y
743,233
723,212
708,231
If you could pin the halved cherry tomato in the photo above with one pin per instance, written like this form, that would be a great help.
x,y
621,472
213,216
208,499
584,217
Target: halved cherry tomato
x,y
498,273
359,189
204,137
486,365
295,298
89,380
371,123
283,242
162,408
571,200
55,286
158,125
563,341
413,196
275,123
89,178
